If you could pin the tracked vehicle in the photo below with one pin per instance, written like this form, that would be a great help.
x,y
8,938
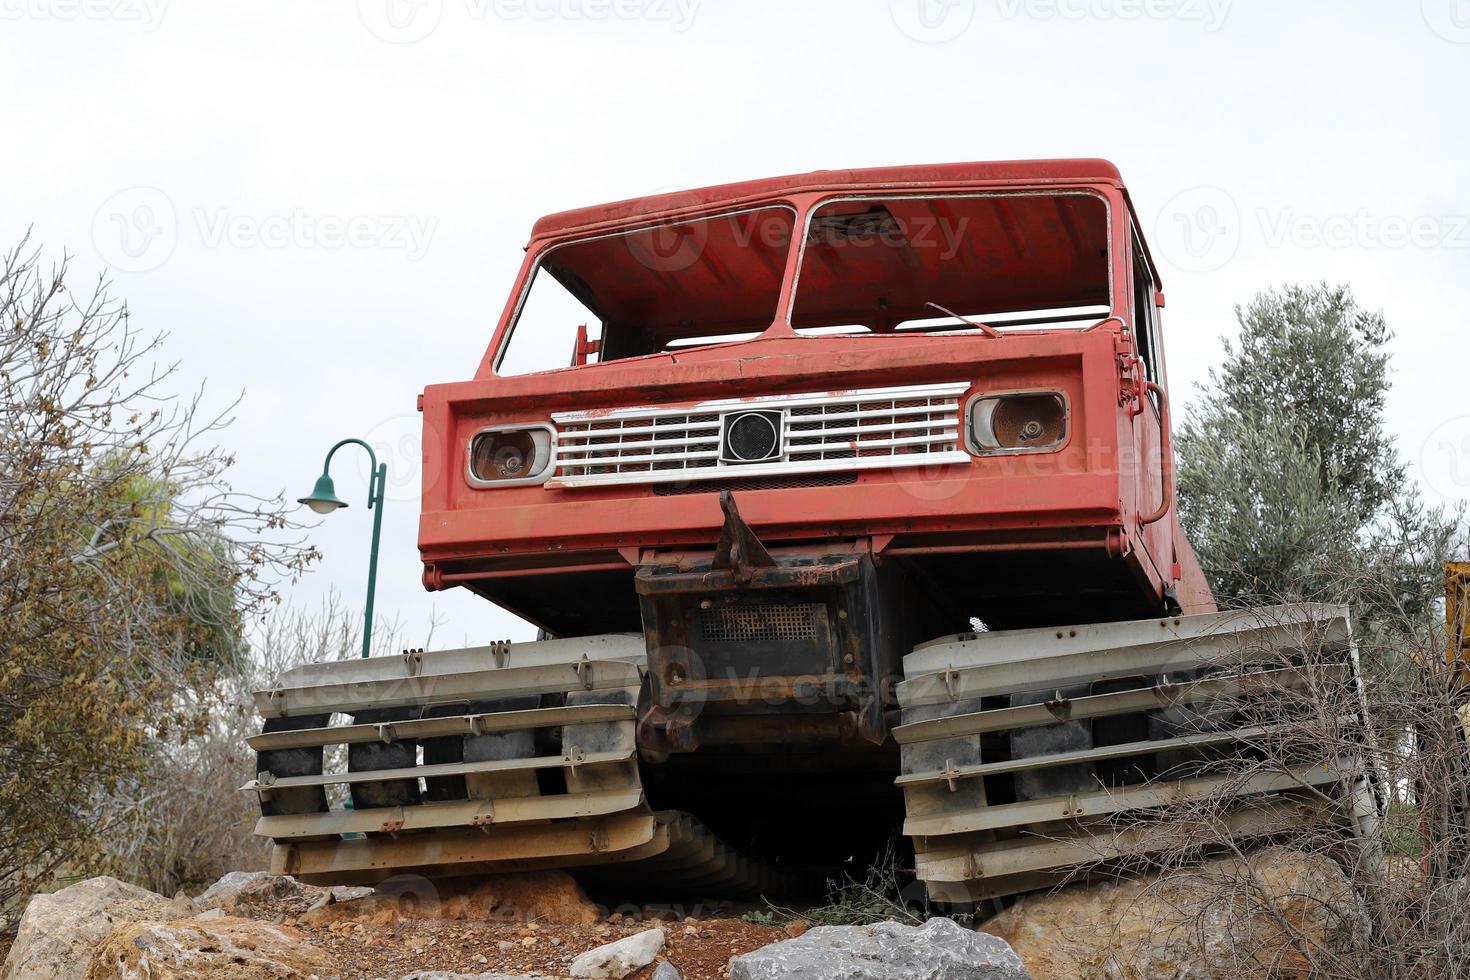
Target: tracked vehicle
x,y
843,502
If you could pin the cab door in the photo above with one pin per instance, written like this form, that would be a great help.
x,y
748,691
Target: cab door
x,y
1155,519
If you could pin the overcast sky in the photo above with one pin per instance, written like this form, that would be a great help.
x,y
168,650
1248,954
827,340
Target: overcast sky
x,y
324,202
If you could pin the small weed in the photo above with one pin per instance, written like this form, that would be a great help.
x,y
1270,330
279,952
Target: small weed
x,y
878,897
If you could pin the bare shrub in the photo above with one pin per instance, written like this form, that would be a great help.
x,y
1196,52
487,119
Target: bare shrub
x,y
126,562
1393,822
185,822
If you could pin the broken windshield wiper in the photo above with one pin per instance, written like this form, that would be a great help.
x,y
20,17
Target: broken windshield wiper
x,y
984,328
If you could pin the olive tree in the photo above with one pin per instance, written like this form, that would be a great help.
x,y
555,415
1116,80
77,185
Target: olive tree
x,y
1291,488
1289,481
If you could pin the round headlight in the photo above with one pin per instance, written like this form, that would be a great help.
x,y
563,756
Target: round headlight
x,y
1018,423
510,455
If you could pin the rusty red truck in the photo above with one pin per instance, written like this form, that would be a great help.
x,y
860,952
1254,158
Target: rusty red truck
x,y
765,463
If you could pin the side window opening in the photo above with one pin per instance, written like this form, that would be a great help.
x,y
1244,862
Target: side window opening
x,y
547,328
663,287
1145,314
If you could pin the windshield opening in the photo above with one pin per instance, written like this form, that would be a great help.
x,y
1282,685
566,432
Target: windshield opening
x,y
945,264
668,287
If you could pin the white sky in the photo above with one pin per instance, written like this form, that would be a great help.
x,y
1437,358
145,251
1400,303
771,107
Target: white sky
x,y
211,152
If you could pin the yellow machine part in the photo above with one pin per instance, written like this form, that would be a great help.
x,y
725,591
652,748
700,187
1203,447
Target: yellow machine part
x,y
1457,608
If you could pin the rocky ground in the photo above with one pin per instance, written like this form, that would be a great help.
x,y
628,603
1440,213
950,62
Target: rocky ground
x,y
1196,923
366,944
252,925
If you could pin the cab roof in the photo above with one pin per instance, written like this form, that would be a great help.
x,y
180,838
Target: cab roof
x,y
1026,172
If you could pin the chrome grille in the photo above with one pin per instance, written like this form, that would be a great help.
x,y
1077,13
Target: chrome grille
x,y
869,429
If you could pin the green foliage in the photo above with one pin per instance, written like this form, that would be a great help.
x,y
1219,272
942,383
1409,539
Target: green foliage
x,y
125,563
1310,361
194,575
1401,832
1290,485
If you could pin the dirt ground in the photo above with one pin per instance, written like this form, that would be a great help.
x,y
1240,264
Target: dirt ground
x,y
384,938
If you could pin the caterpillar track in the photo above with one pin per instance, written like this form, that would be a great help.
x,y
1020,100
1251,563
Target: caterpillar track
x,y
1033,754
1022,757
510,757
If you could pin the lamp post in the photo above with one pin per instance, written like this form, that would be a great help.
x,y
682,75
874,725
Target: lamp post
x,y
323,500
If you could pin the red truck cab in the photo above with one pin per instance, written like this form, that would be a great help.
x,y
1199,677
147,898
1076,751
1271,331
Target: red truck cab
x,y
955,369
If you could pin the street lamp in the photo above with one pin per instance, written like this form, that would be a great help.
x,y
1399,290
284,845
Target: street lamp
x,y
323,500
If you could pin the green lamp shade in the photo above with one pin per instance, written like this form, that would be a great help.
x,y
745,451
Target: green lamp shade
x,y
323,497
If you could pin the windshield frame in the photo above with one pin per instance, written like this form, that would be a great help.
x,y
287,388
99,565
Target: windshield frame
x,y
535,263
805,203
812,207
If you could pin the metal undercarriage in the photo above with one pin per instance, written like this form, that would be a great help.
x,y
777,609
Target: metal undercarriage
x,y
1017,754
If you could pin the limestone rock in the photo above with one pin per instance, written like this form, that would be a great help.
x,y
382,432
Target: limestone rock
x,y
1223,918
59,932
617,960
242,891
349,893
666,971
940,949
207,949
